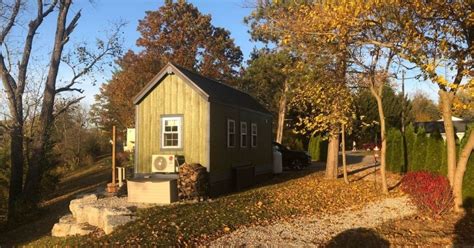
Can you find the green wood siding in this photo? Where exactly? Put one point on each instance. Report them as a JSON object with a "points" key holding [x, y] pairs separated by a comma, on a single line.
{"points": [[173, 96], [223, 158]]}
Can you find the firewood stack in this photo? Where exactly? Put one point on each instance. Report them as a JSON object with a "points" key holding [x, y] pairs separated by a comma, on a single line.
{"points": [[193, 182]]}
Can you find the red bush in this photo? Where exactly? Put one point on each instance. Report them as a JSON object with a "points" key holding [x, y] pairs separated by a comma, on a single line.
{"points": [[430, 192]]}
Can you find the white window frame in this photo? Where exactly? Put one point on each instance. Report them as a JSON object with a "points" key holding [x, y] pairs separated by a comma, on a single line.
{"points": [[179, 119], [230, 134], [253, 134], [243, 134]]}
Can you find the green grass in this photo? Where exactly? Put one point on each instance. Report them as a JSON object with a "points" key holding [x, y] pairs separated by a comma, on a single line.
{"points": [[285, 197]]}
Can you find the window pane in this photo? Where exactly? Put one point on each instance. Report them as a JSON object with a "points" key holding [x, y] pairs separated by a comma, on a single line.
{"points": [[174, 128], [231, 127], [172, 122], [167, 129]]}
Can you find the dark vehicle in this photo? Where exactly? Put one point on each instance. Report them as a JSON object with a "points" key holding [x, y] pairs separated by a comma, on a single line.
{"points": [[292, 159]]}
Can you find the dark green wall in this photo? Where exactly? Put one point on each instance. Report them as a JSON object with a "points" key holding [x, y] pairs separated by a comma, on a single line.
{"points": [[223, 158]]}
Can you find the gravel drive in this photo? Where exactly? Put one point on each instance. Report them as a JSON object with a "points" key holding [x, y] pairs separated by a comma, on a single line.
{"points": [[318, 230]]}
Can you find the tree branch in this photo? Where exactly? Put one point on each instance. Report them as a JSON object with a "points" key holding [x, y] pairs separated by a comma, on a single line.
{"points": [[70, 28], [33, 27], [67, 106], [11, 21]]}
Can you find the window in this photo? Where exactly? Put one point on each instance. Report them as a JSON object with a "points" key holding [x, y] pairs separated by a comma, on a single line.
{"points": [[243, 134], [171, 132], [253, 132], [230, 133]]}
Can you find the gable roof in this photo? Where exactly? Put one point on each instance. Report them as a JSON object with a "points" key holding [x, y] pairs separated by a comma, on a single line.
{"points": [[210, 89]]}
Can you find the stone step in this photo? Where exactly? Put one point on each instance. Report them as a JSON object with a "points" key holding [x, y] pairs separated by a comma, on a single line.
{"points": [[106, 214], [67, 226]]}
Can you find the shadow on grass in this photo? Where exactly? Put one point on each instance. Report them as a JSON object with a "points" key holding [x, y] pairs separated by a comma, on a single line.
{"points": [[315, 167], [358, 237], [464, 228]]}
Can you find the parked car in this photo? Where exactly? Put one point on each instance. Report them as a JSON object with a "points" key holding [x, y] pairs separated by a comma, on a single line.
{"points": [[292, 159], [371, 146]]}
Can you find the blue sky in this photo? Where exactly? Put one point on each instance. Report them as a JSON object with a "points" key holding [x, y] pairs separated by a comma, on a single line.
{"points": [[225, 13], [98, 15]]}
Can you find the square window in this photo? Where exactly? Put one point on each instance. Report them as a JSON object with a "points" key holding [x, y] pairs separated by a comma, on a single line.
{"points": [[171, 132]]}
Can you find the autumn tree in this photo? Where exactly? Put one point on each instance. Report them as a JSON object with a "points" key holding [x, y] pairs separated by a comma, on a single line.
{"points": [[269, 79], [325, 107], [331, 30], [114, 104], [16, 73], [288, 24], [463, 104], [176, 32], [423, 108], [435, 36]]}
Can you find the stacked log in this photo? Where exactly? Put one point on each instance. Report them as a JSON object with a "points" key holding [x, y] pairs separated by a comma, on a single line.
{"points": [[193, 182]]}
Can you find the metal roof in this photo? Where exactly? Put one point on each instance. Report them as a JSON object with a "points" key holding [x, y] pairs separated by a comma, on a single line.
{"points": [[211, 89]]}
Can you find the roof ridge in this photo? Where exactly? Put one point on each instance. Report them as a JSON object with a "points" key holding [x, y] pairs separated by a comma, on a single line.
{"points": [[211, 79]]}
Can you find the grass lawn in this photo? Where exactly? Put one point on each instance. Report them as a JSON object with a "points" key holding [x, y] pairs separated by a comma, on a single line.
{"points": [[288, 196]]}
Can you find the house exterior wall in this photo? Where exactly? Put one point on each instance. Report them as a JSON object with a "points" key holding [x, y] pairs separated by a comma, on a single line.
{"points": [[172, 96], [222, 158]]}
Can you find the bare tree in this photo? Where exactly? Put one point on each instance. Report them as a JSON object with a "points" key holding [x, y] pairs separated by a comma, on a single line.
{"points": [[81, 62]]}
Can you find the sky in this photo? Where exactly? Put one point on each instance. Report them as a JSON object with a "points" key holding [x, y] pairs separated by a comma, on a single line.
{"points": [[99, 15]]}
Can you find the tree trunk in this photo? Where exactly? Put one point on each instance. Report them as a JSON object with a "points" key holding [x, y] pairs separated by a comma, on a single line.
{"points": [[39, 156], [344, 165], [460, 170], [16, 173], [332, 157], [378, 96], [446, 103], [281, 114]]}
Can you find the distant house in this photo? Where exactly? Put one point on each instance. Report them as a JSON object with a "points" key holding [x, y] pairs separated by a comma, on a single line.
{"points": [[180, 112], [130, 140], [460, 127]]}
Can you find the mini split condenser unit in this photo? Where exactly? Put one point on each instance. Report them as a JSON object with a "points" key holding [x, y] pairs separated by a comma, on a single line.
{"points": [[165, 163]]}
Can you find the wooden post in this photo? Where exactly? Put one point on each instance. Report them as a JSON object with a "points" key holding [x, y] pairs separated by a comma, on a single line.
{"points": [[112, 187], [344, 164], [113, 155]]}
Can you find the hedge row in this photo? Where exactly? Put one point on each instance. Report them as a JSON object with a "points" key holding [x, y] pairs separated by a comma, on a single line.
{"points": [[425, 153], [318, 148]]}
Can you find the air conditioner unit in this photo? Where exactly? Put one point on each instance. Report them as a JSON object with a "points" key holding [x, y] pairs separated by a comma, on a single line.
{"points": [[163, 163]]}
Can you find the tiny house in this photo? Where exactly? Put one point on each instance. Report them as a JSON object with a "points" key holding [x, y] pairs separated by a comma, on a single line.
{"points": [[181, 114]]}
